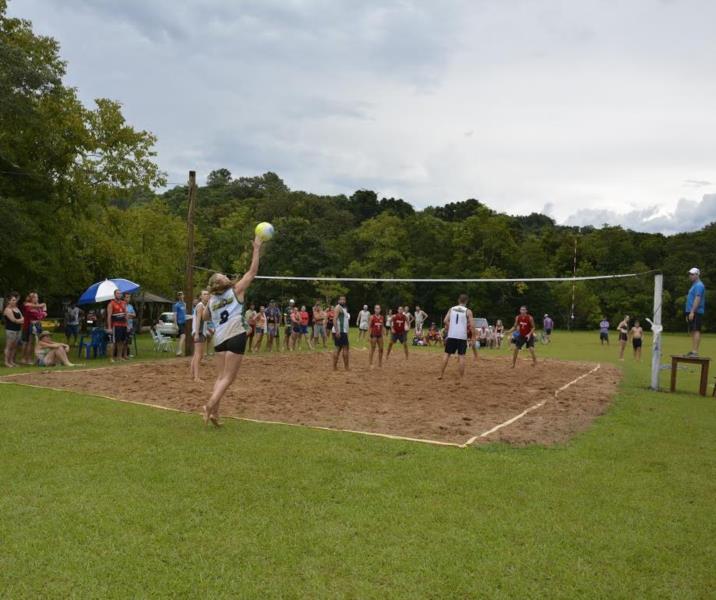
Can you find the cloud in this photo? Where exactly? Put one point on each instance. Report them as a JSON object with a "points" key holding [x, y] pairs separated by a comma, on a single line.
{"points": [[689, 215], [519, 104]]}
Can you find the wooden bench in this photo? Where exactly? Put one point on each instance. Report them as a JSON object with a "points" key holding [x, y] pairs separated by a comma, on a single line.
{"points": [[694, 360]]}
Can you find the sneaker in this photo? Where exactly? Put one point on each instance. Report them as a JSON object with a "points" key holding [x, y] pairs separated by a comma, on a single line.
{"points": [[691, 354]]}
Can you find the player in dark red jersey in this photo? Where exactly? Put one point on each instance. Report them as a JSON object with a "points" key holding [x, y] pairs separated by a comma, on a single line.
{"points": [[525, 326], [398, 332], [376, 325]]}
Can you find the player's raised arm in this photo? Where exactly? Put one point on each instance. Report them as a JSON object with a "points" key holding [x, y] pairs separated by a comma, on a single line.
{"points": [[242, 285]]}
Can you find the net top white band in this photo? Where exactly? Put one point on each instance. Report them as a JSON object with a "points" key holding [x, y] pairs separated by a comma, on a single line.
{"points": [[469, 280]]}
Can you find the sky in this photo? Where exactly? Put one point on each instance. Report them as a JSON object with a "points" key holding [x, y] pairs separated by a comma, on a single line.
{"points": [[592, 112]]}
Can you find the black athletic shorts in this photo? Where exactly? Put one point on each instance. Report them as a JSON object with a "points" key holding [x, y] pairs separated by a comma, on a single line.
{"points": [[236, 344], [603, 335], [523, 341], [399, 337], [119, 334], [623, 337], [453, 345], [695, 325], [181, 328], [340, 340], [636, 343], [548, 332]]}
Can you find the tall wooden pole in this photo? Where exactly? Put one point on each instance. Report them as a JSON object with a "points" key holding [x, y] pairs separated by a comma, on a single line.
{"points": [[189, 274]]}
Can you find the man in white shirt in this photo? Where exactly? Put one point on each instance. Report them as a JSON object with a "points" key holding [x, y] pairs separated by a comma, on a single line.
{"points": [[458, 326], [362, 322]]}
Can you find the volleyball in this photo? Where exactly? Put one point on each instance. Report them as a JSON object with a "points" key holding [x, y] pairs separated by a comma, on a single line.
{"points": [[264, 231]]}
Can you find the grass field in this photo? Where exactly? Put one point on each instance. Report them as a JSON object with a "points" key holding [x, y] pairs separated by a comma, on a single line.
{"points": [[109, 500]]}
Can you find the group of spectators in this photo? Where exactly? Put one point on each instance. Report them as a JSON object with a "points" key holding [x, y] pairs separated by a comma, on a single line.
{"points": [[27, 342]]}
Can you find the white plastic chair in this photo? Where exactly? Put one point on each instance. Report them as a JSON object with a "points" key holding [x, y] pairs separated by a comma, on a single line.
{"points": [[162, 343]]}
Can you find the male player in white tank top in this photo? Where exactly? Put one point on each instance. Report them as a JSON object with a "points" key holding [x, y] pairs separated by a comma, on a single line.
{"points": [[458, 326]]}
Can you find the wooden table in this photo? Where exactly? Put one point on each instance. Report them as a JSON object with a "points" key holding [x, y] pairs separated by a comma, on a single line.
{"points": [[694, 360]]}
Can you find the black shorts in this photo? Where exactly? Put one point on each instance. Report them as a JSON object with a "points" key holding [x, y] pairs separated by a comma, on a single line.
{"points": [[636, 343], [695, 325], [523, 341], [235, 345], [548, 331], [453, 345], [603, 335], [623, 337], [180, 328], [119, 334], [399, 337], [340, 340]]}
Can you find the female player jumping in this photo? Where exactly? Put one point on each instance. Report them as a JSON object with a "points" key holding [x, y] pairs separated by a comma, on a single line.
{"points": [[226, 308]]}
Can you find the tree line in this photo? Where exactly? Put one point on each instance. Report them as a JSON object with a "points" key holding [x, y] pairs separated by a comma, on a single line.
{"points": [[79, 203]]}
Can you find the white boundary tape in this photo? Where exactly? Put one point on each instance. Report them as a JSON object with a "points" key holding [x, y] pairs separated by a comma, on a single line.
{"points": [[474, 438]]}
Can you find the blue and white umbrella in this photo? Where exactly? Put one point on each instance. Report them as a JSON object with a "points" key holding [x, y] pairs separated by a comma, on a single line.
{"points": [[104, 290]]}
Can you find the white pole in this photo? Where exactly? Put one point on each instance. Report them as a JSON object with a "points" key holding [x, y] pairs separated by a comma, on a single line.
{"points": [[656, 329]]}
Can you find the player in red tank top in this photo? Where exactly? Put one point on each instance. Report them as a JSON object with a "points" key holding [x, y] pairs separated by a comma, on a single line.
{"points": [[375, 327], [525, 325]]}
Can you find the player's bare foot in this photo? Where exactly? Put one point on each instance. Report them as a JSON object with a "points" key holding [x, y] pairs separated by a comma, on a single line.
{"points": [[215, 420]]}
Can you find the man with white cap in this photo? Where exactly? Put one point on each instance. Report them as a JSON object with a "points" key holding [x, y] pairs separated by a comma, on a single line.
{"points": [[695, 305]]}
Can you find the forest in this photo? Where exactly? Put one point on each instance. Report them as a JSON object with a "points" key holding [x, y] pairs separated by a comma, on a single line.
{"points": [[82, 197]]}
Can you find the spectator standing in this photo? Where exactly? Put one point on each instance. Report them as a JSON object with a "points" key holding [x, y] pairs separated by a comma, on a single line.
{"points": [[198, 330], [273, 325], [319, 324], [260, 327], [604, 331], [305, 319], [547, 326], [420, 316], [362, 322], [117, 327], [695, 307], [13, 327], [636, 339], [73, 314], [288, 324], [250, 316], [623, 329], [131, 323], [33, 313], [179, 310]]}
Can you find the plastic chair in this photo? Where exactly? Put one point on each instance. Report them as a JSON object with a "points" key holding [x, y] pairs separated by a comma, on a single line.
{"points": [[97, 343], [165, 344]]}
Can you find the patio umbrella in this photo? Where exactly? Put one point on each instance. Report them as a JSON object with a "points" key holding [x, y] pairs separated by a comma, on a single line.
{"points": [[104, 290]]}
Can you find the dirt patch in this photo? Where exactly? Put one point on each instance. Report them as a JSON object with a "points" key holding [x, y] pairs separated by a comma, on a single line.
{"points": [[403, 398]]}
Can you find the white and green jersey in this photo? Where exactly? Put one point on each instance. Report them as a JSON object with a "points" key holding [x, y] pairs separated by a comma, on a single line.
{"points": [[227, 314], [342, 320]]}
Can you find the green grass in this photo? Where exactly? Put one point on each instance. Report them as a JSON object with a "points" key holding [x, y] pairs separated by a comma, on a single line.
{"points": [[108, 500]]}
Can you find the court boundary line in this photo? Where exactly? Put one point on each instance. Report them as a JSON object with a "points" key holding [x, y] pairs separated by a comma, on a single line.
{"points": [[484, 434], [247, 419]]}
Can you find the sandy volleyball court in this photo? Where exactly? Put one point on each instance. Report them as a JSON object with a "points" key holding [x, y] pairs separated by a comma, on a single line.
{"points": [[403, 398]]}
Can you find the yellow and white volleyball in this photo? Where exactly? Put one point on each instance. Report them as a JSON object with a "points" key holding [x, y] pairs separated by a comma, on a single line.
{"points": [[264, 231]]}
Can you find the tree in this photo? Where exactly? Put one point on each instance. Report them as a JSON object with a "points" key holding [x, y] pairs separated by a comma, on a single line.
{"points": [[219, 177]]}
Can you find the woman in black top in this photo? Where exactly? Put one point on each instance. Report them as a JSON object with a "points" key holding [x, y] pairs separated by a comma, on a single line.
{"points": [[13, 326]]}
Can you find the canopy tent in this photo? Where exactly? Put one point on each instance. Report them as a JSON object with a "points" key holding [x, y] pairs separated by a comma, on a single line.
{"points": [[154, 303]]}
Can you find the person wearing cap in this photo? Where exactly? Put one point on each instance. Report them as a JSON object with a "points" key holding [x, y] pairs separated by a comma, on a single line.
{"points": [[49, 353], [695, 306], [547, 326]]}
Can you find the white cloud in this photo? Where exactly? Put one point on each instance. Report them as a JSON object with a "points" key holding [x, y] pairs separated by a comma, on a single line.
{"points": [[579, 106], [689, 215]]}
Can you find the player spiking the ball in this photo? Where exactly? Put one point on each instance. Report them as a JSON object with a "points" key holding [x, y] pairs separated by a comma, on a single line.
{"points": [[525, 326], [458, 329], [226, 311]]}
